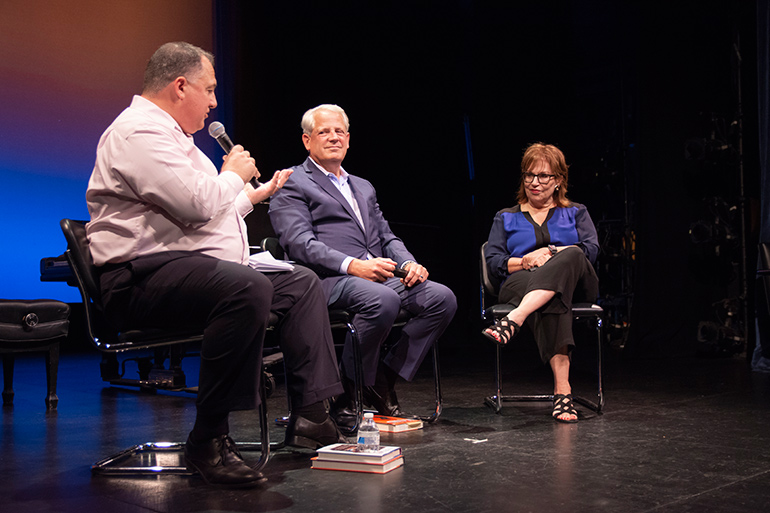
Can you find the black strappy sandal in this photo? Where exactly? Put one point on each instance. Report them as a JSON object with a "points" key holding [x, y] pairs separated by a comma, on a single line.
{"points": [[563, 404], [503, 330]]}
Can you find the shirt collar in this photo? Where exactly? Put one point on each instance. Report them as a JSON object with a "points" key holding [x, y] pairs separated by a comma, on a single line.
{"points": [[343, 174], [161, 116]]}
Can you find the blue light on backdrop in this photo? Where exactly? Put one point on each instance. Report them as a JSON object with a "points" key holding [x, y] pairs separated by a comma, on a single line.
{"points": [[68, 69], [33, 205]]}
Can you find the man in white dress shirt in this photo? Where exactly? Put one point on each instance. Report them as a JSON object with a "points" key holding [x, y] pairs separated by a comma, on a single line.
{"points": [[168, 237]]}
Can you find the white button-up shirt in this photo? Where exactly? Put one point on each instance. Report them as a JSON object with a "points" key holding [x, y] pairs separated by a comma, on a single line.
{"points": [[153, 190]]}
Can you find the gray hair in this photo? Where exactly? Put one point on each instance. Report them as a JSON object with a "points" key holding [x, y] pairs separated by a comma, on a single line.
{"points": [[172, 60], [308, 119]]}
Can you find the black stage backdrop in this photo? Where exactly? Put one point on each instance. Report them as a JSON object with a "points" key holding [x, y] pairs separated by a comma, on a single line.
{"points": [[443, 97], [763, 102]]}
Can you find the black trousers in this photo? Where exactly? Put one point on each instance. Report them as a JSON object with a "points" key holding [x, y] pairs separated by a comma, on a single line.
{"points": [[572, 277], [231, 303]]}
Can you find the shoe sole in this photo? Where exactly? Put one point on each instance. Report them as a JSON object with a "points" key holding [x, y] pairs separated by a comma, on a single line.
{"points": [[302, 441], [246, 484], [494, 340]]}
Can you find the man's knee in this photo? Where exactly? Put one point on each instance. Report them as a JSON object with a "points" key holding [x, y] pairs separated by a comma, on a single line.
{"points": [[382, 303], [373, 303], [442, 298], [306, 278], [246, 288]]}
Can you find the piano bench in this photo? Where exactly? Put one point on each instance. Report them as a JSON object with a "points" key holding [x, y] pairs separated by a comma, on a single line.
{"points": [[32, 326]]}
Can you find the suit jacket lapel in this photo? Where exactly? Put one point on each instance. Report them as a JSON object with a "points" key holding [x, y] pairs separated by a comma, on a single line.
{"points": [[360, 199], [323, 181], [363, 206]]}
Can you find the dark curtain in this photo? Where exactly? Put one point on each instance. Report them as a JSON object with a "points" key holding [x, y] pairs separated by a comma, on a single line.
{"points": [[761, 360], [763, 100]]}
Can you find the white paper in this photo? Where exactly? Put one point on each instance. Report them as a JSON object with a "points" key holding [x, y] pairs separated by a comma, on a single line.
{"points": [[265, 263]]}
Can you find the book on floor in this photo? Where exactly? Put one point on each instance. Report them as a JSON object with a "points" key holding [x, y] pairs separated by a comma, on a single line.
{"points": [[396, 424], [357, 466], [351, 453]]}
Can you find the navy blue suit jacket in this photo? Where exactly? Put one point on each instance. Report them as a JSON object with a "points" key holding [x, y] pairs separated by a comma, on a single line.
{"points": [[318, 228]]}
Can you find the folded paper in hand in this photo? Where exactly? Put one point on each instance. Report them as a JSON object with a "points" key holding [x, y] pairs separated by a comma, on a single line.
{"points": [[264, 262]]}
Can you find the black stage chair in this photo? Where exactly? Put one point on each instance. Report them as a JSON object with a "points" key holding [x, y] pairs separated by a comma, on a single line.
{"points": [[491, 310], [342, 319], [109, 341]]}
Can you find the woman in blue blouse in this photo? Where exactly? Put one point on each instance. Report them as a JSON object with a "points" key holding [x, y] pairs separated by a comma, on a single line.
{"points": [[542, 251]]}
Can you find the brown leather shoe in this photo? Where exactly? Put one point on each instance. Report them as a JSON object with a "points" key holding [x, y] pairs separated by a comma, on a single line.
{"points": [[220, 464]]}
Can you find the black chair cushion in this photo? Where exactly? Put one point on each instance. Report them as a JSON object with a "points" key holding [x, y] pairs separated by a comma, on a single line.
{"points": [[578, 310], [33, 320]]}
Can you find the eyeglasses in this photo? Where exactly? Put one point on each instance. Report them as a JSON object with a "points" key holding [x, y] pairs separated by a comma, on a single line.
{"points": [[542, 178]]}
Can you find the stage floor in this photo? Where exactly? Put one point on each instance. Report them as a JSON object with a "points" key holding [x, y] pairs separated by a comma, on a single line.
{"points": [[677, 435]]}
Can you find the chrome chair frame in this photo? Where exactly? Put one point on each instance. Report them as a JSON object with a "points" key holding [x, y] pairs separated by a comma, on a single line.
{"points": [[106, 340], [491, 311], [343, 319]]}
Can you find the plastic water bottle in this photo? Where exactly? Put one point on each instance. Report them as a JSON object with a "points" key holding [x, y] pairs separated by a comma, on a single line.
{"points": [[368, 434]]}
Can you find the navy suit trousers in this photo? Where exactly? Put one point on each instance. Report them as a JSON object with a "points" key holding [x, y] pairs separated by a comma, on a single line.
{"points": [[376, 305]]}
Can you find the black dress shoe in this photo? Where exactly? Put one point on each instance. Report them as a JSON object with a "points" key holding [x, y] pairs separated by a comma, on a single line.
{"points": [[302, 432], [385, 402], [219, 463], [344, 416], [343, 407]]}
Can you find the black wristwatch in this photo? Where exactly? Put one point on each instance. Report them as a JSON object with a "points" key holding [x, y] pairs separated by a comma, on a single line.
{"points": [[552, 249]]}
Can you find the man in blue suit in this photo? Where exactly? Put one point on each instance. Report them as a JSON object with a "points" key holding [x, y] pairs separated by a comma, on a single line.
{"points": [[330, 221]]}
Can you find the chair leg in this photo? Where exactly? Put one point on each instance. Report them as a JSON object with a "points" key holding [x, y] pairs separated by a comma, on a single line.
{"points": [[600, 341], [8, 361], [264, 431], [109, 367], [433, 417], [152, 454], [358, 378], [52, 371], [599, 404], [284, 421], [495, 402], [359, 381]]}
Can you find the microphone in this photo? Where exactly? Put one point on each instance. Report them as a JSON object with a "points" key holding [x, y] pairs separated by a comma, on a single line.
{"points": [[217, 131]]}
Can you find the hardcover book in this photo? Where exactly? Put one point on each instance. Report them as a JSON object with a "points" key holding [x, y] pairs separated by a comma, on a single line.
{"points": [[350, 466], [351, 453], [396, 424]]}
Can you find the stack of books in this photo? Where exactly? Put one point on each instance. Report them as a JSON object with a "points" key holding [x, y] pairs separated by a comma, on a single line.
{"points": [[348, 457], [396, 424]]}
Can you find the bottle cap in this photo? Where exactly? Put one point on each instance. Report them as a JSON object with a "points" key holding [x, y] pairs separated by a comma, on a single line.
{"points": [[369, 415]]}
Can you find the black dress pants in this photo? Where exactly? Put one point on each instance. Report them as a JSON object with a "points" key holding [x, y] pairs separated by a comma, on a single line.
{"points": [[572, 277], [231, 303]]}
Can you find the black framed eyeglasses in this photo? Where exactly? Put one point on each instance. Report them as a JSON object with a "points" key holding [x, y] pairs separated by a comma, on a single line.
{"points": [[542, 178]]}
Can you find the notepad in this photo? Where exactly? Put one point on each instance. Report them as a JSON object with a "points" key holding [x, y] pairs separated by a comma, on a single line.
{"points": [[265, 262]]}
